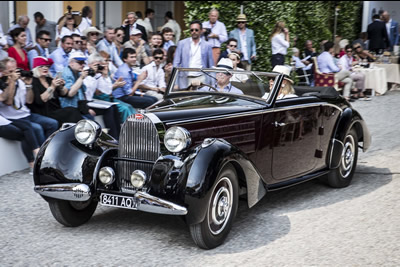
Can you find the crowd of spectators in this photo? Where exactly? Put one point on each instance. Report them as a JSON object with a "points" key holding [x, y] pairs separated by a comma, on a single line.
{"points": [[55, 77]]}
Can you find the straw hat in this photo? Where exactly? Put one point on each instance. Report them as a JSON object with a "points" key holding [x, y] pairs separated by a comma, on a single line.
{"points": [[92, 29], [241, 17]]}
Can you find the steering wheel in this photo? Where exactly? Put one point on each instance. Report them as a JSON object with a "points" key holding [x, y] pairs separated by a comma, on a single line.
{"points": [[212, 87]]}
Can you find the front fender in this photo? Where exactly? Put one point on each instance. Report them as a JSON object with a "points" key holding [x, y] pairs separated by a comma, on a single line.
{"points": [[62, 160]]}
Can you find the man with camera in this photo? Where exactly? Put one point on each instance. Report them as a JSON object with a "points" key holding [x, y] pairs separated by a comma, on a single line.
{"points": [[73, 76], [215, 33], [96, 84], [19, 94]]}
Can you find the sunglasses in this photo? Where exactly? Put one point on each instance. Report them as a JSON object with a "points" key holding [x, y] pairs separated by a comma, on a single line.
{"points": [[357, 47], [45, 39], [232, 45], [44, 66], [80, 62], [94, 33], [119, 35], [241, 22], [160, 58], [78, 42], [194, 30]]}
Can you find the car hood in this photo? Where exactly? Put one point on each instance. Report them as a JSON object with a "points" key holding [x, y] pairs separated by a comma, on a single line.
{"points": [[202, 106]]}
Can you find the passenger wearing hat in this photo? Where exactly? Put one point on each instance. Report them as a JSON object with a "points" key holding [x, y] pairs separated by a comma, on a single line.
{"points": [[246, 41], [60, 55], [73, 76], [223, 83], [136, 42], [286, 90], [47, 91]]}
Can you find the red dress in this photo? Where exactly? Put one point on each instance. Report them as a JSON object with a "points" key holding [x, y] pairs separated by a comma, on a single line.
{"points": [[23, 64]]}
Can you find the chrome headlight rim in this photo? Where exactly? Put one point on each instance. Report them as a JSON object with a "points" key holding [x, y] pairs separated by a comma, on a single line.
{"points": [[183, 142], [110, 172], [94, 131], [138, 179]]}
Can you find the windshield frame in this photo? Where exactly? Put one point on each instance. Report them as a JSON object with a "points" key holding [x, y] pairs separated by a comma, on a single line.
{"points": [[175, 73]]}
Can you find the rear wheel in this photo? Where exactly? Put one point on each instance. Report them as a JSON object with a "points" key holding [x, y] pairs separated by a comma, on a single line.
{"points": [[342, 176], [72, 213], [222, 208]]}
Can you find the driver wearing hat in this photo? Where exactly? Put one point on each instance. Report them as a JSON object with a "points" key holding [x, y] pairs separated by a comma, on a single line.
{"points": [[223, 77]]}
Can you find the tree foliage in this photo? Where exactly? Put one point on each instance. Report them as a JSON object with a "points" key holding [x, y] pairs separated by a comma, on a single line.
{"points": [[306, 20]]}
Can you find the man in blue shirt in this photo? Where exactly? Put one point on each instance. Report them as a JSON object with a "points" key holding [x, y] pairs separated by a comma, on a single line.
{"points": [[107, 44], [129, 93], [326, 64], [41, 48], [60, 55]]}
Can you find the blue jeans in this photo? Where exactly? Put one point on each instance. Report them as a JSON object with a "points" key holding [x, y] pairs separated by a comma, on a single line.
{"points": [[43, 126]]}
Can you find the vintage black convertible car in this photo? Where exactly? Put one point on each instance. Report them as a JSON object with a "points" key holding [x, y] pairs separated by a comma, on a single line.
{"points": [[196, 151]]}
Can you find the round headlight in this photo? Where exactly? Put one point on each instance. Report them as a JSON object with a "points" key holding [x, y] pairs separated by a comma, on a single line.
{"points": [[86, 131], [177, 139], [106, 175], [138, 178]]}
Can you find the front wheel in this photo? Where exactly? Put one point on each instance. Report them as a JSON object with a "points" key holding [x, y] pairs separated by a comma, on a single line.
{"points": [[222, 208], [72, 213], [342, 176]]}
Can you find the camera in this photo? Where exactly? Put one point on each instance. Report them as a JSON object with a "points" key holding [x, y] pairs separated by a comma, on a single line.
{"points": [[25, 73], [3, 82], [91, 72], [100, 67], [206, 33]]}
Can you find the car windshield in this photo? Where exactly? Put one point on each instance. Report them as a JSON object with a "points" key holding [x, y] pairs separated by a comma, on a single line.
{"points": [[248, 83]]}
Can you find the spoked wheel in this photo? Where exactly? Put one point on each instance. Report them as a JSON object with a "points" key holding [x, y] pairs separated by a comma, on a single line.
{"points": [[342, 176], [222, 208], [72, 213]]}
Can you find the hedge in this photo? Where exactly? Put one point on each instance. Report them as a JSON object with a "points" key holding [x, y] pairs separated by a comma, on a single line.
{"points": [[306, 20]]}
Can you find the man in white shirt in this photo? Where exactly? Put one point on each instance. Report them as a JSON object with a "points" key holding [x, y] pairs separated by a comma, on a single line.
{"points": [[87, 14], [171, 23], [154, 84], [217, 34]]}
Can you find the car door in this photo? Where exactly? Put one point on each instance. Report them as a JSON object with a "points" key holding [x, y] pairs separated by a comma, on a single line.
{"points": [[296, 139]]}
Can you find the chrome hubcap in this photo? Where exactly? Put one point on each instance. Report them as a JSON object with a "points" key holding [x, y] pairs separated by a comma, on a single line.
{"points": [[220, 206], [348, 153]]}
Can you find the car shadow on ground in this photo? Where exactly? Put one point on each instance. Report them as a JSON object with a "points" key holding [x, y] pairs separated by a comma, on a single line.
{"points": [[264, 223]]}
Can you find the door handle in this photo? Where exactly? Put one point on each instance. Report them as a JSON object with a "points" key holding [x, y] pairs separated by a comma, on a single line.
{"points": [[279, 124]]}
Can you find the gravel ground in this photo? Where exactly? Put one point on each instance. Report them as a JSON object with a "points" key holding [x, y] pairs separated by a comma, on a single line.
{"points": [[307, 225]]}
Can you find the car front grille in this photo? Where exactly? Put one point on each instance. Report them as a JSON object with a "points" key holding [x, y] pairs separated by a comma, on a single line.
{"points": [[138, 141]]}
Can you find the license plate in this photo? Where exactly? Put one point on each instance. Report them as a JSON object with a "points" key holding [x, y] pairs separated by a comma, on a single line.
{"points": [[119, 201]]}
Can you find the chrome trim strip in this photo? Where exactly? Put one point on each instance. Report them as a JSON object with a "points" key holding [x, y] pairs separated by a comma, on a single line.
{"points": [[218, 117], [71, 192], [149, 203]]}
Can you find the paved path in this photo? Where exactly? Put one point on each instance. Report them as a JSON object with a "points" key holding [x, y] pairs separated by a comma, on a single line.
{"points": [[306, 225]]}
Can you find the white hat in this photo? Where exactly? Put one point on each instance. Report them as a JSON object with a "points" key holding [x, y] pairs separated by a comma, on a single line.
{"points": [[284, 70], [91, 29], [77, 56], [135, 32], [225, 63]]}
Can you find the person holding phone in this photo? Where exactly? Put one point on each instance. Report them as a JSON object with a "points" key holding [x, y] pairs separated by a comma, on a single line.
{"points": [[280, 42]]}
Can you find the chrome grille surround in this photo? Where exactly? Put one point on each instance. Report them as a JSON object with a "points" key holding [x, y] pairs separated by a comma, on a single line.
{"points": [[138, 141]]}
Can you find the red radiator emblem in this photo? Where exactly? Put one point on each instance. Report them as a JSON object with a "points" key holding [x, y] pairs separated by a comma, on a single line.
{"points": [[139, 116]]}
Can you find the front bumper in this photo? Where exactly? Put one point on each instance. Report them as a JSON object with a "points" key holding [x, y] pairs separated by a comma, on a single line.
{"points": [[81, 192]]}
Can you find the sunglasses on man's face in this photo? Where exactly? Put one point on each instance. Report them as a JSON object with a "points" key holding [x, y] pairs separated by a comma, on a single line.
{"points": [[233, 45], [357, 47], [194, 30], [45, 39], [349, 51], [241, 22], [78, 42], [159, 58]]}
